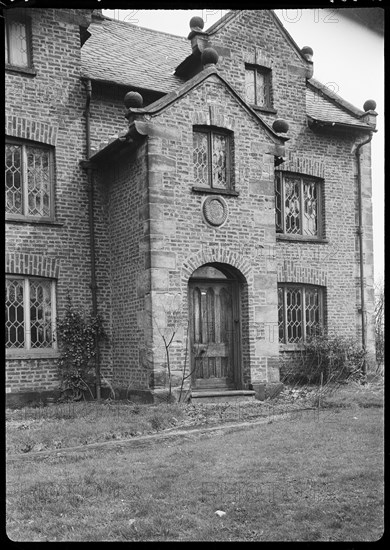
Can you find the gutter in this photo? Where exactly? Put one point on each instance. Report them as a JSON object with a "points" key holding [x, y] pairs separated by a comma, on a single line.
{"points": [[93, 286], [360, 233], [316, 123]]}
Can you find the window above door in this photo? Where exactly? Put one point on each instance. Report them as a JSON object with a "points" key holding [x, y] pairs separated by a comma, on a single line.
{"points": [[213, 160]]}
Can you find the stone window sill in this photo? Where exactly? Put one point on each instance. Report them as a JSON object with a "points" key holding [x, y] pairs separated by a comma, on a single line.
{"points": [[269, 110], [291, 347], [32, 354], [212, 191], [22, 70], [33, 221], [301, 239]]}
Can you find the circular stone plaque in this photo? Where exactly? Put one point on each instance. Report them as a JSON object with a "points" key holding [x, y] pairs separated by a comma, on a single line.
{"points": [[215, 211]]}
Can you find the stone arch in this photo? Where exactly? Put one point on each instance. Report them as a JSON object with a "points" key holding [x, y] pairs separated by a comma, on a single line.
{"points": [[215, 255]]}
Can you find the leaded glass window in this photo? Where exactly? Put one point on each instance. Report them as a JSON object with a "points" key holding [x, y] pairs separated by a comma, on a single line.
{"points": [[297, 204], [29, 313], [28, 180], [258, 86], [17, 39], [300, 310], [212, 158]]}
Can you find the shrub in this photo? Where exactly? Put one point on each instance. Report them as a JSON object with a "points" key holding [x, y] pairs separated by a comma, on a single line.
{"points": [[326, 358], [77, 336], [379, 324]]}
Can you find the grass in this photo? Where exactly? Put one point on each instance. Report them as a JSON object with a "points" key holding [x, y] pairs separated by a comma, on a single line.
{"points": [[310, 478], [73, 424]]}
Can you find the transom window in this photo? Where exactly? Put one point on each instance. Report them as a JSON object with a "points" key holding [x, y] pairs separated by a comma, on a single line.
{"points": [[29, 313], [28, 180], [17, 39], [212, 158], [301, 312], [297, 204], [258, 86]]}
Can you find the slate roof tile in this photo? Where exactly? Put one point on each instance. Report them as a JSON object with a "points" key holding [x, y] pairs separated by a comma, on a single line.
{"points": [[126, 54], [321, 108]]}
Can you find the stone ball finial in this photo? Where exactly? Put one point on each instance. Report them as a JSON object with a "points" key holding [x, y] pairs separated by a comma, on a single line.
{"points": [[209, 57], [307, 51], [280, 126], [133, 100], [369, 105], [196, 22]]}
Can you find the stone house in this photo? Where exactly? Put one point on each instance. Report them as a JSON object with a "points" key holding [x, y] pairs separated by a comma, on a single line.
{"points": [[207, 193]]}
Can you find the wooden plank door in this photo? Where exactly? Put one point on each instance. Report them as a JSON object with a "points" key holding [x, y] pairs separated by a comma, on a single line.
{"points": [[212, 334]]}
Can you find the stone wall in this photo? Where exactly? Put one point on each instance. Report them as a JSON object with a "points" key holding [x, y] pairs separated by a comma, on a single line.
{"points": [[183, 241]]}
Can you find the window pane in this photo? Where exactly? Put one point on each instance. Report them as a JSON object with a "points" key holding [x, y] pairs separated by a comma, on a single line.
{"points": [[38, 173], [17, 43], [200, 158], [278, 202], [13, 179], [210, 309], [281, 315], [250, 85], [310, 202], [260, 89], [219, 168], [294, 314], [292, 204], [14, 314], [40, 314], [312, 304]]}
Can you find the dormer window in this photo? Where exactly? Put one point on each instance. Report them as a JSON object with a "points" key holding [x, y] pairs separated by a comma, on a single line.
{"points": [[258, 91]]}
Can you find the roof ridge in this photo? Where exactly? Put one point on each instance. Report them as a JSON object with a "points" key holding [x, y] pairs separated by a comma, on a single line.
{"points": [[336, 98], [143, 28]]}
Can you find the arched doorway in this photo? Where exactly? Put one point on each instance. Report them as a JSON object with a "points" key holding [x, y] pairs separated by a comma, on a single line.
{"points": [[215, 328]]}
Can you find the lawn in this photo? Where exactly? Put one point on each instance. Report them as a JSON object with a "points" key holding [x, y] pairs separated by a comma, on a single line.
{"points": [[310, 477]]}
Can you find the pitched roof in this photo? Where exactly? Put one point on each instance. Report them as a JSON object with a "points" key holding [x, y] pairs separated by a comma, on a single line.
{"points": [[129, 55], [163, 102], [323, 90], [328, 107], [126, 54]]}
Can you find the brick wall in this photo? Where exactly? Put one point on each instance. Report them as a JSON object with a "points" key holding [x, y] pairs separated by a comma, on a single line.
{"points": [[254, 37], [122, 244], [48, 108], [150, 234]]}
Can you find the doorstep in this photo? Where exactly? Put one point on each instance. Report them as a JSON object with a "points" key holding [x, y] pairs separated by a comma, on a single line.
{"points": [[220, 396]]}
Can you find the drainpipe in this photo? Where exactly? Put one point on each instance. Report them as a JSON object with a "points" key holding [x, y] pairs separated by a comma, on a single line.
{"points": [[360, 233], [93, 286]]}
